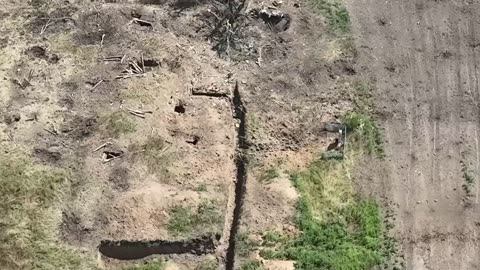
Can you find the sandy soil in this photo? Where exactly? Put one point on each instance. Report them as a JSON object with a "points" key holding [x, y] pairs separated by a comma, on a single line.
{"points": [[425, 58]]}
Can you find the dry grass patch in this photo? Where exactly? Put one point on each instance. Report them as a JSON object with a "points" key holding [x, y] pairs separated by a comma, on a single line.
{"points": [[30, 216]]}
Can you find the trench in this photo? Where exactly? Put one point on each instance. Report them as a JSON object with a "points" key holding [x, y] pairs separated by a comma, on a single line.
{"points": [[241, 176], [209, 94], [132, 250]]}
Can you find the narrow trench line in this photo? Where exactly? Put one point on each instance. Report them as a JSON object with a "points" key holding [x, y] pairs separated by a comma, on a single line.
{"points": [[133, 250], [241, 176]]}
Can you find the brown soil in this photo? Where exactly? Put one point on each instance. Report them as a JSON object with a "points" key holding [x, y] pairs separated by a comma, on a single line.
{"points": [[425, 55], [60, 97]]}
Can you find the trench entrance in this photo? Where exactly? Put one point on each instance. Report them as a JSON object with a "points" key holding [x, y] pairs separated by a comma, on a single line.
{"points": [[241, 176], [132, 250]]}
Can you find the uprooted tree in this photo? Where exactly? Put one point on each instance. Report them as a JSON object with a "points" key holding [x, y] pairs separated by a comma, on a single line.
{"points": [[228, 19]]}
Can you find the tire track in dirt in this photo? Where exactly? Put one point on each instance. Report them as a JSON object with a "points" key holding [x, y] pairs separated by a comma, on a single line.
{"points": [[432, 120]]}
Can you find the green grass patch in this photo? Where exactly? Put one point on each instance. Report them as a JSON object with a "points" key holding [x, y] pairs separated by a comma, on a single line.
{"points": [[201, 188], [209, 263], [244, 245], [184, 220], [336, 14], [154, 264], [119, 123], [469, 178], [364, 133], [251, 265], [155, 155], [30, 215], [268, 175], [339, 230]]}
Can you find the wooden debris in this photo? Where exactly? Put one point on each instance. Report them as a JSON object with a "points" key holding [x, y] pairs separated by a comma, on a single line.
{"points": [[101, 42], [137, 114], [114, 58], [128, 75], [123, 58], [111, 155], [44, 28], [53, 132], [97, 84], [110, 159], [102, 146], [142, 22], [139, 111], [136, 67]]}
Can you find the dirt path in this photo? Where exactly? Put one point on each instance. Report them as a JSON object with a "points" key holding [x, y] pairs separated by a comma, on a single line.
{"points": [[425, 58]]}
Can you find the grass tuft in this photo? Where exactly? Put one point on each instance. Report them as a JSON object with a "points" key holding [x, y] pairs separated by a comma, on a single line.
{"points": [[364, 132], [155, 155], [269, 175], [154, 264], [243, 244], [119, 123], [209, 263], [251, 265], [29, 218], [183, 220], [335, 13], [469, 178]]}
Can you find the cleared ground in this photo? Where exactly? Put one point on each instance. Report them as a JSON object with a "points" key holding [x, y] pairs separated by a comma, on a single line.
{"points": [[424, 55]]}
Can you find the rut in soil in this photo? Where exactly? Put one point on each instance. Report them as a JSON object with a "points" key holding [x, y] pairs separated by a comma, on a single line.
{"points": [[241, 176]]}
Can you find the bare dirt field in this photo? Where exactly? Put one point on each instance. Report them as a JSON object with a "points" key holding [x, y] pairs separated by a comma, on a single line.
{"points": [[424, 55]]}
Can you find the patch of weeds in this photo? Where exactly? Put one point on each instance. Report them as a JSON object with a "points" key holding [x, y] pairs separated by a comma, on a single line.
{"points": [[210, 263], [364, 132], [119, 123], [335, 13], [63, 43], [272, 243], [339, 230], [251, 265], [332, 155], [363, 96], [154, 264], [183, 220], [269, 175], [29, 218], [155, 155], [469, 178], [271, 238], [254, 127], [139, 91], [244, 245], [201, 188]]}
